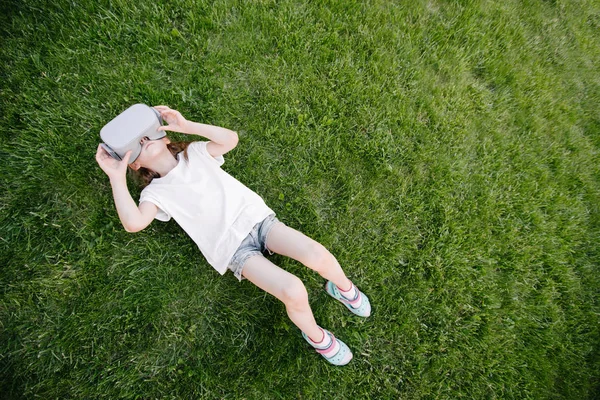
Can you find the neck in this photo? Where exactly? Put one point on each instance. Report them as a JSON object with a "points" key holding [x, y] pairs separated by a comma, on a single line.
{"points": [[164, 164]]}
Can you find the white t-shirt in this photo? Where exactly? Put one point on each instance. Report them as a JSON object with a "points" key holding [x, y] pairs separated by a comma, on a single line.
{"points": [[216, 210]]}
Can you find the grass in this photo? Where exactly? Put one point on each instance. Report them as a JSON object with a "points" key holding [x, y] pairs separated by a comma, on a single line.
{"points": [[445, 152]]}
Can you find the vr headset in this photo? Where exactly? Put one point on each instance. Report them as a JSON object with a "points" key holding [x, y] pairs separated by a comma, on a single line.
{"points": [[126, 130]]}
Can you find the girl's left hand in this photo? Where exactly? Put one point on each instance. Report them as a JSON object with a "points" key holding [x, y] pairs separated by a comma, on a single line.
{"points": [[176, 122]]}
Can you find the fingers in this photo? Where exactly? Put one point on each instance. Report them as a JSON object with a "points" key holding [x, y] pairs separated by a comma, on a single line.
{"points": [[173, 118], [100, 153], [162, 109], [169, 113], [166, 111]]}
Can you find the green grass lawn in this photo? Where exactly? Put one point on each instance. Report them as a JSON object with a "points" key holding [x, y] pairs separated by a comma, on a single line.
{"points": [[447, 153]]}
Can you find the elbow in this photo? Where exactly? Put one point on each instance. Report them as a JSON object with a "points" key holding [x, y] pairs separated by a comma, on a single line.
{"points": [[234, 138], [132, 228]]}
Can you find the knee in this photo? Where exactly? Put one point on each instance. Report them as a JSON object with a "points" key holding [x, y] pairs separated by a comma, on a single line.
{"points": [[294, 293], [320, 258]]}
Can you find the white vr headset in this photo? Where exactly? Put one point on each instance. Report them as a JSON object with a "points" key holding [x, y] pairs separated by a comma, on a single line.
{"points": [[126, 130]]}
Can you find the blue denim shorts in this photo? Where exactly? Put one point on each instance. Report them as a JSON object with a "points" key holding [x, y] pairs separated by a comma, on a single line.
{"points": [[254, 244]]}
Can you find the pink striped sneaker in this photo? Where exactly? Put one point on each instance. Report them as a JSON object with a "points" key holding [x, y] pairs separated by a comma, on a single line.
{"points": [[337, 352], [359, 305]]}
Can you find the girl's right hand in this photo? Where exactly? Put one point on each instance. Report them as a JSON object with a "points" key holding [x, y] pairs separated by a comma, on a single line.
{"points": [[113, 168]]}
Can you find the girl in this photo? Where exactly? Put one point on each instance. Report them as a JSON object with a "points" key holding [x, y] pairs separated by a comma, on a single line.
{"points": [[230, 223]]}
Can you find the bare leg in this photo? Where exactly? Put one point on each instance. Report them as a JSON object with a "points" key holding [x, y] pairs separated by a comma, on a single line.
{"points": [[292, 243], [286, 287]]}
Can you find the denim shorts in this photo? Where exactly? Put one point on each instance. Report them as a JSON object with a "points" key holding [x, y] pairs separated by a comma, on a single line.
{"points": [[254, 244]]}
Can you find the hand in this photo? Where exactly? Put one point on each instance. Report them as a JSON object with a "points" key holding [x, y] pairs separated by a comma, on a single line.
{"points": [[113, 168], [176, 122]]}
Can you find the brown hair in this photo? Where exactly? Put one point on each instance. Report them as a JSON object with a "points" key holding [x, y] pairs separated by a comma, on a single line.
{"points": [[145, 175]]}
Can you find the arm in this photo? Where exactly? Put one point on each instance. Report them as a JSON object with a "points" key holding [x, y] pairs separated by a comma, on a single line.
{"points": [[222, 140], [133, 218]]}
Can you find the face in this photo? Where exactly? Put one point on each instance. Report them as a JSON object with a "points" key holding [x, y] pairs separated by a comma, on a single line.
{"points": [[151, 150]]}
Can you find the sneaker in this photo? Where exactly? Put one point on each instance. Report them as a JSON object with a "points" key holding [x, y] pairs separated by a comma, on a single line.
{"points": [[359, 305], [336, 352]]}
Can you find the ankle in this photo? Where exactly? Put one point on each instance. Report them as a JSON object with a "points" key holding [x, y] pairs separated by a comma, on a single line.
{"points": [[349, 293], [346, 287], [321, 335], [324, 338]]}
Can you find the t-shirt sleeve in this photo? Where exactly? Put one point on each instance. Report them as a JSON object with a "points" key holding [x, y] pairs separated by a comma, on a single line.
{"points": [[199, 148], [161, 215]]}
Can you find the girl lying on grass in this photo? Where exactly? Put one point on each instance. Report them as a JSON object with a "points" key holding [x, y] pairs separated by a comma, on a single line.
{"points": [[232, 225]]}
